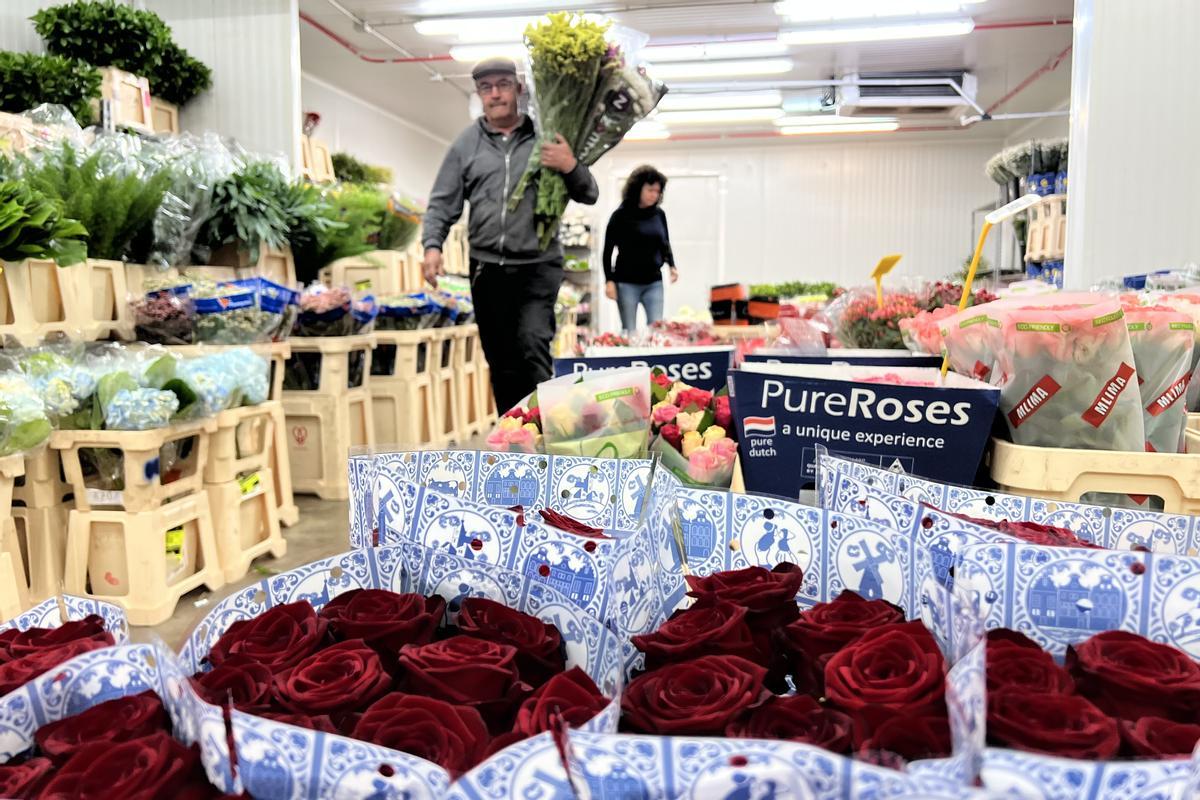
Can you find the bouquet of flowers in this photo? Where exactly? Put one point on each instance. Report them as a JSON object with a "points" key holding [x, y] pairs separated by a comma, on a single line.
{"points": [[519, 430], [923, 333], [406, 312], [325, 311], [1162, 343], [584, 90], [694, 429], [860, 321], [599, 415], [23, 421]]}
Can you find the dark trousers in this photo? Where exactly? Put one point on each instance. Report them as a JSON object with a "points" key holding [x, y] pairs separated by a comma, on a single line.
{"points": [[514, 307]]}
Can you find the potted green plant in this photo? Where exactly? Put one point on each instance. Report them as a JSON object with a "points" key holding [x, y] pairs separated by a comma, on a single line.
{"points": [[28, 80]]}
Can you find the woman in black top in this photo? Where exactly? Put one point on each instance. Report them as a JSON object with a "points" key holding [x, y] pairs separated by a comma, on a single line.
{"points": [[637, 230]]}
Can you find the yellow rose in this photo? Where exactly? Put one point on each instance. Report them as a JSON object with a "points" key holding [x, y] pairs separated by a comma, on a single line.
{"points": [[712, 433], [689, 420], [529, 426], [509, 423], [692, 442]]}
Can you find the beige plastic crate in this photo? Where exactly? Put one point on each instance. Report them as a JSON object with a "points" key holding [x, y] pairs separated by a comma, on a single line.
{"points": [[121, 557], [468, 351], [274, 265], [403, 408], [14, 580], [164, 116], [39, 299], [42, 534], [447, 386], [42, 485], [140, 452], [1067, 475], [380, 271], [245, 517], [11, 602], [280, 464], [241, 443]]}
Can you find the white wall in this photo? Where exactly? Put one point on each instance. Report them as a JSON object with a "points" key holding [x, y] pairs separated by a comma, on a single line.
{"points": [[16, 31], [371, 134]]}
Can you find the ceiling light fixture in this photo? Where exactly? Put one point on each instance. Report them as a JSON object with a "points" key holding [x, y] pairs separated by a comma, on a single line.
{"points": [[826, 11], [470, 53], [647, 131], [662, 53], [715, 115], [794, 121], [490, 6], [878, 32], [685, 70], [490, 29], [860, 127], [698, 102]]}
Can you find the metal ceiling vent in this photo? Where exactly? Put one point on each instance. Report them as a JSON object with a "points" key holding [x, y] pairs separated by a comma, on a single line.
{"points": [[920, 93]]}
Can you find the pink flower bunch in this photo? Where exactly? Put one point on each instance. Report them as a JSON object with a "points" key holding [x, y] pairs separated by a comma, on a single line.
{"points": [[923, 333], [518, 431], [698, 425]]}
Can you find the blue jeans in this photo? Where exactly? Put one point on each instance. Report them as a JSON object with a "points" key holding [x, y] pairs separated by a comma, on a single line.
{"points": [[630, 295]]}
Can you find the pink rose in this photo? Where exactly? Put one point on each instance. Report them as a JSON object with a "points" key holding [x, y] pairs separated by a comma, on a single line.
{"points": [[725, 450], [534, 416], [664, 414], [703, 465]]}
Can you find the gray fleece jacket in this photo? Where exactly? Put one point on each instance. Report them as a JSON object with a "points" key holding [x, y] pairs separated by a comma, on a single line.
{"points": [[483, 168]]}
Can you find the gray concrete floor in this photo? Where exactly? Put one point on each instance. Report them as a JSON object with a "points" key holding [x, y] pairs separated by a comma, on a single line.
{"points": [[323, 530]]}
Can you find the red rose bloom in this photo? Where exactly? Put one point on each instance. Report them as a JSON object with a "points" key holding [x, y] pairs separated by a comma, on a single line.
{"points": [[756, 589], [453, 737], [826, 628], [15, 644], [1031, 669], [385, 620], [154, 766], [467, 671], [116, 720], [1057, 724], [1131, 677], [697, 397], [570, 524], [672, 435], [699, 697], [896, 668], [345, 677], [278, 638], [1155, 738], [314, 722], [15, 674], [661, 379], [572, 694], [797, 718], [910, 738], [24, 780], [539, 644], [709, 627], [245, 683]]}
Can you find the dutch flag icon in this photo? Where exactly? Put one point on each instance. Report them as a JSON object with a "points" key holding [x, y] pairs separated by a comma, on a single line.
{"points": [[759, 426]]}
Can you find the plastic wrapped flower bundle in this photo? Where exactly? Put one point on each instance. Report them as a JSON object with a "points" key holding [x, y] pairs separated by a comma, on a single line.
{"points": [[364, 310], [406, 312], [923, 333], [215, 387], [140, 409], [230, 313], [325, 311], [455, 309], [164, 316], [252, 373], [861, 321], [694, 430], [23, 421], [60, 380], [599, 415]]}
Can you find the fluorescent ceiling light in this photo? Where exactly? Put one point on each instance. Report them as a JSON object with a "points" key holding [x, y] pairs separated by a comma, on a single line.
{"points": [[830, 10], [698, 102], [647, 131], [710, 69], [828, 119], [490, 6], [490, 29], [470, 53], [662, 53], [718, 115], [861, 127], [878, 32]]}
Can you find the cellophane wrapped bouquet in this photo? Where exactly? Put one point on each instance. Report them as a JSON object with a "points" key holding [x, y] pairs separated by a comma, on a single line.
{"points": [[586, 87], [860, 321], [1162, 342], [694, 431]]}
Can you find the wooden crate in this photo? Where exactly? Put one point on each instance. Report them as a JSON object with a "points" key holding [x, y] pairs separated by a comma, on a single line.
{"points": [[402, 402], [121, 556], [245, 517], [380, 271], [140, 454], [129, 99], [164, 116], [325, 422]]}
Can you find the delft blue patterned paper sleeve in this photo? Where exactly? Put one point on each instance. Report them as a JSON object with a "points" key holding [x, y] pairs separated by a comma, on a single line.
{"points": [[281, 761], [46, 614]]}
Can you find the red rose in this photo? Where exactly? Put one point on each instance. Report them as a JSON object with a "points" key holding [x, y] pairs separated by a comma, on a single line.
{"points": [[534, 415], [17, 673], [698, 697], [113, 721], [16, 644], [723, 415], [383, 619], [672, 434], [24, 780], [895, 668], [1058, 724], [570, 525], [151, 767], [467, 671], [1013, 637], [539, 644], [661, 379], [1155, 737], [315, 722], [345, 677], [515, 413], [797, 718], [697, 397], [910, 738], [453, 737], [572, 694], [1032, 669], [709, 627], [245, 683], [826, 628], [279, 638], [758, 590], [1131, 677]]}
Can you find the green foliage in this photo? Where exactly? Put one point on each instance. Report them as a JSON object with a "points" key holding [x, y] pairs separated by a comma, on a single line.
{"points": [[27, 80], [111, 34], [358, 211], [33, 226], [792, 289], [349, 169], [117, 210], [248, 210]]}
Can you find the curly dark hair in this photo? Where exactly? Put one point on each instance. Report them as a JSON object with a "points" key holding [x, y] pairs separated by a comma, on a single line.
{"points": [[642, 176]]}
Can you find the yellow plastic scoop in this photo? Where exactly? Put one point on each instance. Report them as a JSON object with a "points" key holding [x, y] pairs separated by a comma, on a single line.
{"points": [[883, 268]]}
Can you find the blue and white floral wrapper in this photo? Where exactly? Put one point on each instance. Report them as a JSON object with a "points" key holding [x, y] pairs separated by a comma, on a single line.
{"points": [[48, 614], [282, 761], [140, 410]]}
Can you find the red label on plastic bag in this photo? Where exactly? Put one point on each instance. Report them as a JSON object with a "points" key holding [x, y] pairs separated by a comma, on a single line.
{"points": [[1042, 391], [1169, 397], [1098, 410], [981, 371]]}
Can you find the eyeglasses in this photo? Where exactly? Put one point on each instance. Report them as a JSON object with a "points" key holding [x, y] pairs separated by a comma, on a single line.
{"points": [[504, 85]]}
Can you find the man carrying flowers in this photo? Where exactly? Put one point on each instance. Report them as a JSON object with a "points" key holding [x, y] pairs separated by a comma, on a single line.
{"points": [[514, 279]]}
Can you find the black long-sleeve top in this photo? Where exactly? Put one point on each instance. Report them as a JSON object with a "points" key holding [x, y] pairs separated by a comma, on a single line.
{"points": [[643, 245]]}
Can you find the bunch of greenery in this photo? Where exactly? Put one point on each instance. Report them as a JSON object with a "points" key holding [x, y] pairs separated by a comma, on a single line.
{"points": [[117, 209], [401, 222], [247, 210], [27, 80], [107, 33], [348, 169], [359, 212], [792, 289], [33, 226]]}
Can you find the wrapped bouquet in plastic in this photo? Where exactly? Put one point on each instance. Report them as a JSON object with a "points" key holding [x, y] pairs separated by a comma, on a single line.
{"points": [[599, 414], [1162, 343], [694, 430], [405, 312], [325, 311], [23, 421]]}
